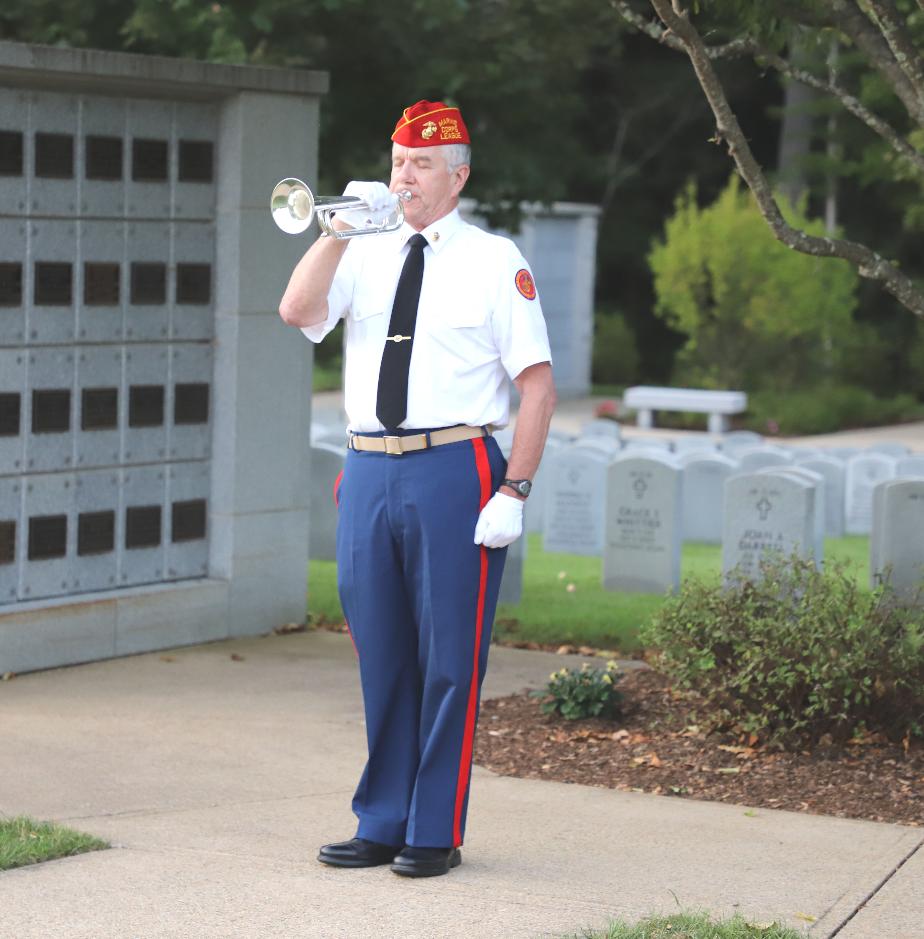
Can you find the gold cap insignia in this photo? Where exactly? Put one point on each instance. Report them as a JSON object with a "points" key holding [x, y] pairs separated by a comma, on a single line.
{"points": [[429, 129]]}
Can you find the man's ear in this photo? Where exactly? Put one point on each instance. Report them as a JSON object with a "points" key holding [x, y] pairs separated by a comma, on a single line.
{"points": [[461, 177]]}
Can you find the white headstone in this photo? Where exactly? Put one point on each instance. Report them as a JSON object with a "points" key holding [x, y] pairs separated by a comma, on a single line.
{"points": [[608, 446], [534, 513], [818, 481], [647, 443], [319, 431], [601, 427], [575, 494], [694, 443], [326, 462], [897, 543], [704, 478], [766, 513], [889, 448], [863, 472], [504, 438], [842, 453], [755, 458], [642, 550], [834, 473], [912, 465], [333, 438], [511, 588], [801, 454], [739, 440]]}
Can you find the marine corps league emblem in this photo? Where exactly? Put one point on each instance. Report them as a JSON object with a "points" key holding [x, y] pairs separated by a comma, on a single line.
{"points": [[449, 129], [525, 284], [429, 129]]}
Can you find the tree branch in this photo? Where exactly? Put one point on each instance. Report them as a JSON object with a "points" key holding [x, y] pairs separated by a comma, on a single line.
{"points": [[851, 103], [617, 175], [653, 29], [868, 263], [869, 40], [747, 46], [908, 57]]}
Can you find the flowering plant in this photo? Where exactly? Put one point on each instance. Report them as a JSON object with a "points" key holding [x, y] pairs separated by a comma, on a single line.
{"points": [[583, 692]]}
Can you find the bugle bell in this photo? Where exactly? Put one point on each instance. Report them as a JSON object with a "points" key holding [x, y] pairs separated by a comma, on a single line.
{"points": [[294, 207]]}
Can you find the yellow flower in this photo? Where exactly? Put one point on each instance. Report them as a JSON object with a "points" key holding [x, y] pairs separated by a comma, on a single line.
{"points": [[608, 679]]}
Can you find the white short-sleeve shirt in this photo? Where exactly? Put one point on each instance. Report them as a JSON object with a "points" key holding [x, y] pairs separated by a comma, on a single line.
{"points": [[479, 321]]}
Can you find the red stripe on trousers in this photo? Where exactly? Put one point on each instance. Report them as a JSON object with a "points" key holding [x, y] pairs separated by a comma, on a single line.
{"points": [[337, 486], [465, 761], [350, 634]]}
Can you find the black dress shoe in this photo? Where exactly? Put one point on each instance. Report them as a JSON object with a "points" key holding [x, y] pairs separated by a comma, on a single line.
{"points": [[358, 852], [426, 862]]}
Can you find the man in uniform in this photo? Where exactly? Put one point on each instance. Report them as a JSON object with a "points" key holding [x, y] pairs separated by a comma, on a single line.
{"points": [[437, 315]]}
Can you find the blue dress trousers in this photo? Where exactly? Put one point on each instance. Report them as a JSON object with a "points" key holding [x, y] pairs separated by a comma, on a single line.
{"points": [[419, 599]]}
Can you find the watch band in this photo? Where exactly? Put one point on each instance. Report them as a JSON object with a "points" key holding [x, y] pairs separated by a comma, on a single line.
{"points": [[521, 487]]}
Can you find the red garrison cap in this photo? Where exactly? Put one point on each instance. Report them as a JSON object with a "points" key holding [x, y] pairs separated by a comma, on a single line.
{"points": [[430, 124]]}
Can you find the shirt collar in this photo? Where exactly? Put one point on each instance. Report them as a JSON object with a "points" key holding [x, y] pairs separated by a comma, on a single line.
{"points": [[437, 233]]}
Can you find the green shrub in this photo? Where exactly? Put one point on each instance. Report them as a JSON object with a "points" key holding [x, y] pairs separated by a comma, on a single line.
{"points": [[615, 351], [756, 314], [582, 692], [796, 655], [825, 409]]}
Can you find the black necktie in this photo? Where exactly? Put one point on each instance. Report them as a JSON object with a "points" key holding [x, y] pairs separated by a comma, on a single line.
{"points": [[391, 401]]}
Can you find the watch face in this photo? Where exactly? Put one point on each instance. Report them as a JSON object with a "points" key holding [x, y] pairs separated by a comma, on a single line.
{"points": [[522, 486]]}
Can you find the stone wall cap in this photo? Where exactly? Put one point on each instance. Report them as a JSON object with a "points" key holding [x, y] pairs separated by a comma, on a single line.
{"points": [[101, 71], [542, 209]]}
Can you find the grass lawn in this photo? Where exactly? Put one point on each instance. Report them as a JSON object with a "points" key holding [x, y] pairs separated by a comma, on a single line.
{"points": [[26, 841], [326, 377], [691, 926], [564, 602]]}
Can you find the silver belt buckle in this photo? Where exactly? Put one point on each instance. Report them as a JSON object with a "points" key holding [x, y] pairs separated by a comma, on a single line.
{"points": [[393, 445]]}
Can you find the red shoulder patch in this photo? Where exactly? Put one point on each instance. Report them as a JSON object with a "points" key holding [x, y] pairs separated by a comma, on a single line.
{"points": [[525, 284]]}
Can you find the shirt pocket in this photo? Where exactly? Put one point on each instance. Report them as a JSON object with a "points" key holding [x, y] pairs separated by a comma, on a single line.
{"points": [[464, 310], [373, 291], [460, 326], [367, 303]]}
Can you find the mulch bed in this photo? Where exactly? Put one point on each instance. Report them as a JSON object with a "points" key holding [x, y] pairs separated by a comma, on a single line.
{"points": [[654, 748]]}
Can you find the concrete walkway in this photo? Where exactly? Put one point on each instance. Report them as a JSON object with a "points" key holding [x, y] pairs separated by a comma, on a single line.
{"points": [[217, 770], [572, 413]]}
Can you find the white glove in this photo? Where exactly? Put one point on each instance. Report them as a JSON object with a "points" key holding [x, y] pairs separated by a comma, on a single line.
{"points": [[381, 203], [500, 522]]}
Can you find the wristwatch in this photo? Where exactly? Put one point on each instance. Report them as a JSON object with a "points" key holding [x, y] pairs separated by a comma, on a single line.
{"points": [[522, 487]]}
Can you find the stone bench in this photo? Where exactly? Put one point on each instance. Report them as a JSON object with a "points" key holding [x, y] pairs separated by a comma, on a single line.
{"points": [[717, 404]]}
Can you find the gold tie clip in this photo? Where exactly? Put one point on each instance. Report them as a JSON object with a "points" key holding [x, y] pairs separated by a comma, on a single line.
{"points": [[396, 338]]}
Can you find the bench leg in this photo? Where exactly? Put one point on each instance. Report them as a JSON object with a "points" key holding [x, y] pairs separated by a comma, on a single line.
{"points": [[644, 419], [718, 423]]}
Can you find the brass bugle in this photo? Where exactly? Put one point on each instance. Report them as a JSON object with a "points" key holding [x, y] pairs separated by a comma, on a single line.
{"points": [[294, 207]]}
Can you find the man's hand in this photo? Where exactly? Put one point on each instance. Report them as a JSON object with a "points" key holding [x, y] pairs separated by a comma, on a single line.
{"points": [[380, 202], [500, 522]]}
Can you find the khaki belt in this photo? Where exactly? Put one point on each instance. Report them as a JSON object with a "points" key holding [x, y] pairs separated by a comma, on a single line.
{"points": [[398, 445]]}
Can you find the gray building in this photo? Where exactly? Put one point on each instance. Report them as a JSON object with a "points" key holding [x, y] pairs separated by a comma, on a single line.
{"points": [[559, 242], [153, 407]]}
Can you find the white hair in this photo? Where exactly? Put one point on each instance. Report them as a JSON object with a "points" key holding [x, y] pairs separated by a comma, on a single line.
{"points": [[456, 155]]}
